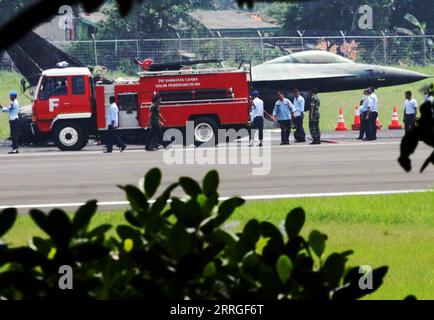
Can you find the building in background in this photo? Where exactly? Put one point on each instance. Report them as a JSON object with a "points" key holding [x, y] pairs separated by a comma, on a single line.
{"points": [[236, 22], [71, 27], [87, 24]]}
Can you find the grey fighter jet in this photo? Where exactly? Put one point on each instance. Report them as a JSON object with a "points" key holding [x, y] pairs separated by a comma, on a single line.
{"points": [[326, 71]]}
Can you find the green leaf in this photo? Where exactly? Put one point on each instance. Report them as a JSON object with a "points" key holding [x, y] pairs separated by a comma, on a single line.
{"points": [[252, 231], [284, 268], [89, 252], [7, 220], [179, 242], [99, 231], [224, 212], [136, 198], [201, 199], [212, 200], [211, 182], [152, 182], [41, 220], [60, 227], [317, 242], [42, 245], [413, 20], [273, 249], [269, 230], [126, 232], [56, 224], [209, 270], [179, 208], [190, 187], [161, 201], [227, 208], [333, 269], [84, 215], [294, 222], [223, 236]]}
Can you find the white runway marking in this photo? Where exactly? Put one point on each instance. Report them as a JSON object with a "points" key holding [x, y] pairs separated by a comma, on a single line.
{"points": [[257, 197], [99, 152]]}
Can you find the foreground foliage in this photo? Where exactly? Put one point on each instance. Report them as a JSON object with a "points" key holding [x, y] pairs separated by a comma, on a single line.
{"points": [[176, 249]]}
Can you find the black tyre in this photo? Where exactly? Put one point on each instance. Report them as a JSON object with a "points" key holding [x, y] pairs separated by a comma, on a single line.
{"points": [[205, 132], [70, 136]]}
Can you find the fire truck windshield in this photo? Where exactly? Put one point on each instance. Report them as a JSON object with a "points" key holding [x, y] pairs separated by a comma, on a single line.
{"points": [[57, 86]]}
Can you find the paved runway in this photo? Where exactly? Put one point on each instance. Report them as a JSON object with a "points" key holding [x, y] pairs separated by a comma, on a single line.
{"points": [[49, 177]]}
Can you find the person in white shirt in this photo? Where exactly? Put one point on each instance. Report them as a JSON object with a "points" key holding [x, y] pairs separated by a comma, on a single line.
{"points": [[363, 110], [410, 111], [299, 105], [257, 118], [14, 120], [372, 115], [112, 125]]}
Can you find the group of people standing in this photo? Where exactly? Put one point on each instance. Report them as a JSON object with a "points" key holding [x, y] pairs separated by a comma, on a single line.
{"points": [[410, 108], [368, 115], [154, 137], [287, 113]]}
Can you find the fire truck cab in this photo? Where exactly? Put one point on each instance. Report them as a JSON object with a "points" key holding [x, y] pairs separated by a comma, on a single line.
{"points": [[71, 106]]}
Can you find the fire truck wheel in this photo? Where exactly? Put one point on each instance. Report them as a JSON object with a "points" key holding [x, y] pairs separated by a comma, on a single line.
{"points": [[205, 131], [69, 136]]}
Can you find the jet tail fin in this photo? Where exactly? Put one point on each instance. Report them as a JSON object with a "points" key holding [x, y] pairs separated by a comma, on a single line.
{"points": [[32, 54]]}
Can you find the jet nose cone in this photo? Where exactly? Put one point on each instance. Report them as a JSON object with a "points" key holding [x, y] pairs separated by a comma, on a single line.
{"points": [[396, 76]]}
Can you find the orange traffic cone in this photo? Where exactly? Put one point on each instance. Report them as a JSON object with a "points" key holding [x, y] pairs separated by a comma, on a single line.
{"points": [[341, 122], [395, 125], [356, 124], [378, 124]]}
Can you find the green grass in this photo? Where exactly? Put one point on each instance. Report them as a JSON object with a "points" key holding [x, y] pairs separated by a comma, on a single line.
{"points": [[9, 82], [393, 230], [330, 102]]}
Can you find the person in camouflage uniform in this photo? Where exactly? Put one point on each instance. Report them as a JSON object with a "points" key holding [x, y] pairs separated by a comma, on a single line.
{"points": [[154, 125], [314, 117]]}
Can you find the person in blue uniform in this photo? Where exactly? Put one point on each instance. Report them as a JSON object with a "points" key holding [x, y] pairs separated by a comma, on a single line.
{"points": [[257, 118], [282, 113], [14, 120]]}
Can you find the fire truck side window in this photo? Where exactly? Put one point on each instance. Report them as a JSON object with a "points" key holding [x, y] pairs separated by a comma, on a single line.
{"points": [[78, 85], [53, 87]]}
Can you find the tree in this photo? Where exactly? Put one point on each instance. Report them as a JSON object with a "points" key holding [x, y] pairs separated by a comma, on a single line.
{"points": [[11, 8], [342, 14], [418, 29], [151, 18]]}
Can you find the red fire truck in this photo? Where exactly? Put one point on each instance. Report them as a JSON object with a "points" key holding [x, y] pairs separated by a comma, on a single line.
{"points": [[71, 106]]}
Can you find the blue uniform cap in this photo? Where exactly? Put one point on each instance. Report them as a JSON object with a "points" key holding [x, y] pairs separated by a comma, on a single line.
{"points": [[255, 93], [13, 94]]}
